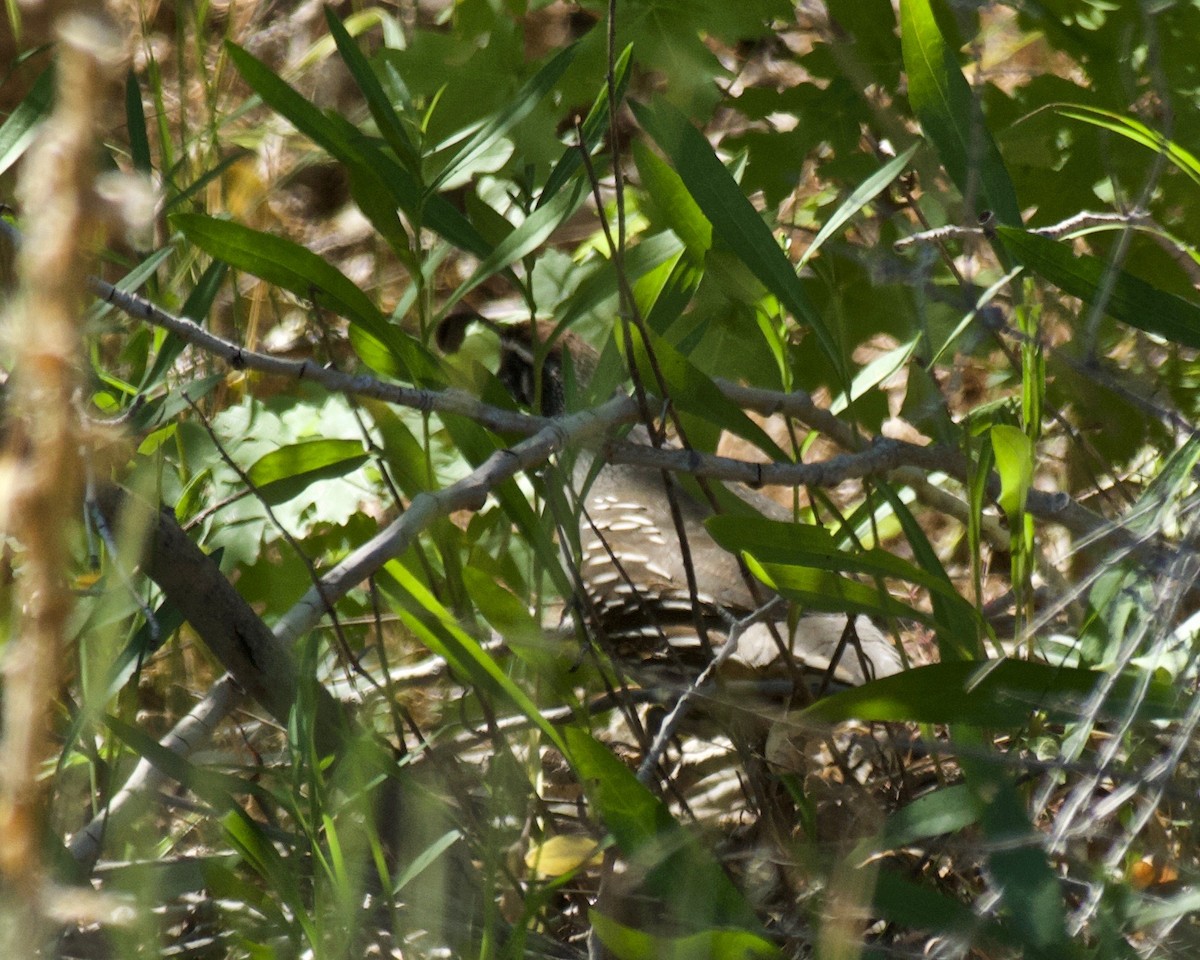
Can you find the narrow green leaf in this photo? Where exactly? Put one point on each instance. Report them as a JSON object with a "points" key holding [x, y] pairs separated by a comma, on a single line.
{"points": [[672, 200], [220, 790], [196, 308], [135, 124], [389, 123], [520, 107], [594, 128], [950, 115], [600, 286], [374, 177], [935, 814], [819, 589], [129, 283], [990, 693], [299, 270], [337, 137], [524, 240], [284, 472], [435, 627], [210, 175], [1028, 887], [285, 264], [626, 943], [1124, 296], [1167, 491], [803, 544], [1014, 463], [956, 621], [17, 132], [425, 859], [733, 217], [1183, 159], [694, 392], [866, 191], [914, 906]]}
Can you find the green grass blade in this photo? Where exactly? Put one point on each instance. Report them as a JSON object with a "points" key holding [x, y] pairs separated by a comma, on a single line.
{"points": [[434, 626]]}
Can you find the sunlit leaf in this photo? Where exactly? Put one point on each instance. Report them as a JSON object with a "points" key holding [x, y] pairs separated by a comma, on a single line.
{"points": [[950, 115]]}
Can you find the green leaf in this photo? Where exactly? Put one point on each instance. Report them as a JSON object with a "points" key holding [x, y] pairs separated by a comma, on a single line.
{"points": [[693, 391], [1014, 463], [932, 815], [677, 868], [525, 100], [989, 693], [285, 264], [17, 132], [195, 308], [1166, 492], [1123, 296], [219, 790], [600, 286], [1183, 160], [140, 273], [595, 126], [135, 124], [867, 191], [378, 102], [950, 115], [283, 473], [625, 943], [1029, 888], [250, 839], [426, 858], [524, 240], [957, 622], [673, 202], [299, 270], [374, 177], [434, 626], [368, 184], [476, 445], [733, 217], [819, 589], [803, 544], [902, 901]]}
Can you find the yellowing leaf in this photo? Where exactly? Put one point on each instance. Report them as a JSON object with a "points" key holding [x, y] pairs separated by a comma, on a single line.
{"points": [[563, 854]]}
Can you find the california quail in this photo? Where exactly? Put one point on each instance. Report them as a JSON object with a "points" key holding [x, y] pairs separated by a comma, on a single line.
{"points": [[631, 566]]}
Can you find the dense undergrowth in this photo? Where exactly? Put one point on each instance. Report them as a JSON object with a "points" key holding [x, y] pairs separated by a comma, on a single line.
{"points": [[927, 273]]}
